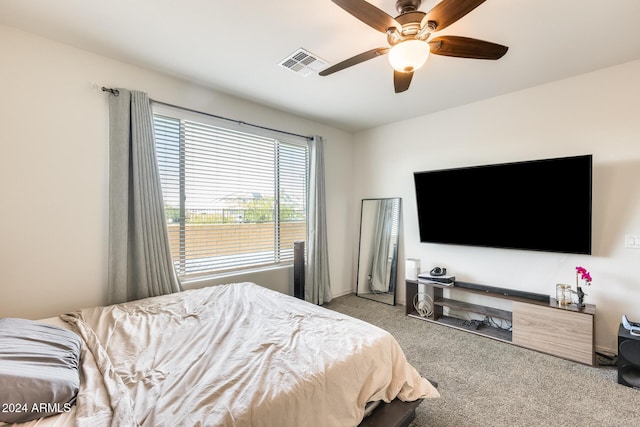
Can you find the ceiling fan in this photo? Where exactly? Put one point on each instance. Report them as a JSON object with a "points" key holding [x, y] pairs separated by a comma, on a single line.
{"points": [[409, 35]]}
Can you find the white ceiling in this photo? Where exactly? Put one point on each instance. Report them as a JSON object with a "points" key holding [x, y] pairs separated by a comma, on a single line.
{"points": [[236, 46]]}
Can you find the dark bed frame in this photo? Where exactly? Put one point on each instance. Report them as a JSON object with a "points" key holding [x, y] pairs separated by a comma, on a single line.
{"points": [[393, 414]]}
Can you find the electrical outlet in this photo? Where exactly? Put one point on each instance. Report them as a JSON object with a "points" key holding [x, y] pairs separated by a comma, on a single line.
{"points": [[632, 241]]}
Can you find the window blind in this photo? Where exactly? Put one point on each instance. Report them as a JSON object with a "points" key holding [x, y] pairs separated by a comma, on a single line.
{"points": [[233, 199]]}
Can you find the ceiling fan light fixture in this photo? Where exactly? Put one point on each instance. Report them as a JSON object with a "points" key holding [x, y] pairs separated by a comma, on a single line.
{"points": [[409, 55]]}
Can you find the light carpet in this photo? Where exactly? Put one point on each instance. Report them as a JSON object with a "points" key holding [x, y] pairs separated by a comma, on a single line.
{"points": [[484, 382]]}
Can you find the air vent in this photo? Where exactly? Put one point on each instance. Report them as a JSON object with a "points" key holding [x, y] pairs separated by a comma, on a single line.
{"points": [[303, 62]]}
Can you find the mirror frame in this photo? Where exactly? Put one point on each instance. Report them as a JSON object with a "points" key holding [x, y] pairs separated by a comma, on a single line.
{"points": [[393, 279]]}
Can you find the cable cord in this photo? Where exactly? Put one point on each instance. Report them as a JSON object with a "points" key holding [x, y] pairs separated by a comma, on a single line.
{"points": [[490, 321], [424, 305]]}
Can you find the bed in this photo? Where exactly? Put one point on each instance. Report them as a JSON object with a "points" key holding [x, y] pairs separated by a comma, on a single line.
{"points": [[231, 355]]}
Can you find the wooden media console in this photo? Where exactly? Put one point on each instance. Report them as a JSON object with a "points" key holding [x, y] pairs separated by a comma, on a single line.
{"points": [[537, 322]]}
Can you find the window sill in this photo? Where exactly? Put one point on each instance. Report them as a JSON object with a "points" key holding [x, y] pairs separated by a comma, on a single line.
{"points": [[229, 277]]}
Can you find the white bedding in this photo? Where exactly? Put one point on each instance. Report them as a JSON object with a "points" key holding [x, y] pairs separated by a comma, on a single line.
{"points": [[234, 355]]}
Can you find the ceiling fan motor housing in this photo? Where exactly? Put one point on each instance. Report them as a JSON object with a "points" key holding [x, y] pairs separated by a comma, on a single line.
{"points": [[410, 22]]}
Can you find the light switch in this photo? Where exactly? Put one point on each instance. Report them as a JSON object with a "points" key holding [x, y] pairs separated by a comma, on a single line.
{"points": [[632, 241]]}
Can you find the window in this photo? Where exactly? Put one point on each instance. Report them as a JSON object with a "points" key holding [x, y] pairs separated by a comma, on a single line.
{"points": [[233, 199]]}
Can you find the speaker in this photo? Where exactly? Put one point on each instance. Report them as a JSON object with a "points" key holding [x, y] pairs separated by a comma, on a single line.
{"points": [[298, 269], [628, 358], [412, 268]]}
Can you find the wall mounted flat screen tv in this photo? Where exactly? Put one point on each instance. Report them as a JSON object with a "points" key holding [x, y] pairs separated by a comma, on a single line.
{"points": [[540, 205]]}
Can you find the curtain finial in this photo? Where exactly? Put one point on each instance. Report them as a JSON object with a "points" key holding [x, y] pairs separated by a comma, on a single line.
{"points": [[114, 92]]}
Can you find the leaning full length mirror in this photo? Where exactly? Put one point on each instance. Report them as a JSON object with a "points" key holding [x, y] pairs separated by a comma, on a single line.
{"points": [[378, 258]]}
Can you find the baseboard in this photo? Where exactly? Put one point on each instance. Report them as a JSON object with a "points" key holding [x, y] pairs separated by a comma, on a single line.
{"points": [[341, 294]]}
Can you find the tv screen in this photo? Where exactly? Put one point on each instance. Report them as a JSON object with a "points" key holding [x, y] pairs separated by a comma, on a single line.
{"points": [[540, 205]]}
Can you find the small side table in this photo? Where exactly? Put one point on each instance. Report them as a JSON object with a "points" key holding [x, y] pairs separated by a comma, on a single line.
{"points": [[628, 358]]}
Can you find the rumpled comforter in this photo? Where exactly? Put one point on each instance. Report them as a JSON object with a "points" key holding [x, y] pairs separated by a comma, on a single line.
{"points": [[235, 355]]}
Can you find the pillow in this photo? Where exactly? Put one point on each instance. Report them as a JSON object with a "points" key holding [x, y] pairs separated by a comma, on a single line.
{"points": [[38, 370]]}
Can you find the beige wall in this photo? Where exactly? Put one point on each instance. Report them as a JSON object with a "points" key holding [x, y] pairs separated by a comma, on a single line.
{"points": [[54, 173], [596, 113]]}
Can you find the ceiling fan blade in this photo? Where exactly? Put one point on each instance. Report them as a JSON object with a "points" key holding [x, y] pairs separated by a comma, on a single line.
{"points": [[364, 56], [465, 47], [369, 14], [447, 12], [401, 80]]}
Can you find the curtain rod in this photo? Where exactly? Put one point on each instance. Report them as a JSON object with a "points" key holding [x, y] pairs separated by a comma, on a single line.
{"points": [[116, 92]]}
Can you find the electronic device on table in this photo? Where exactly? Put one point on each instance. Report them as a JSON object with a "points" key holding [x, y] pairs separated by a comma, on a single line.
{"points": [[437, 275], [632, 327]]}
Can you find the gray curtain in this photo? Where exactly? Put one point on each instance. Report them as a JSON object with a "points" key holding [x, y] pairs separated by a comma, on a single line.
{"points": [[380, 262], [317, 284], [140, 263]]}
